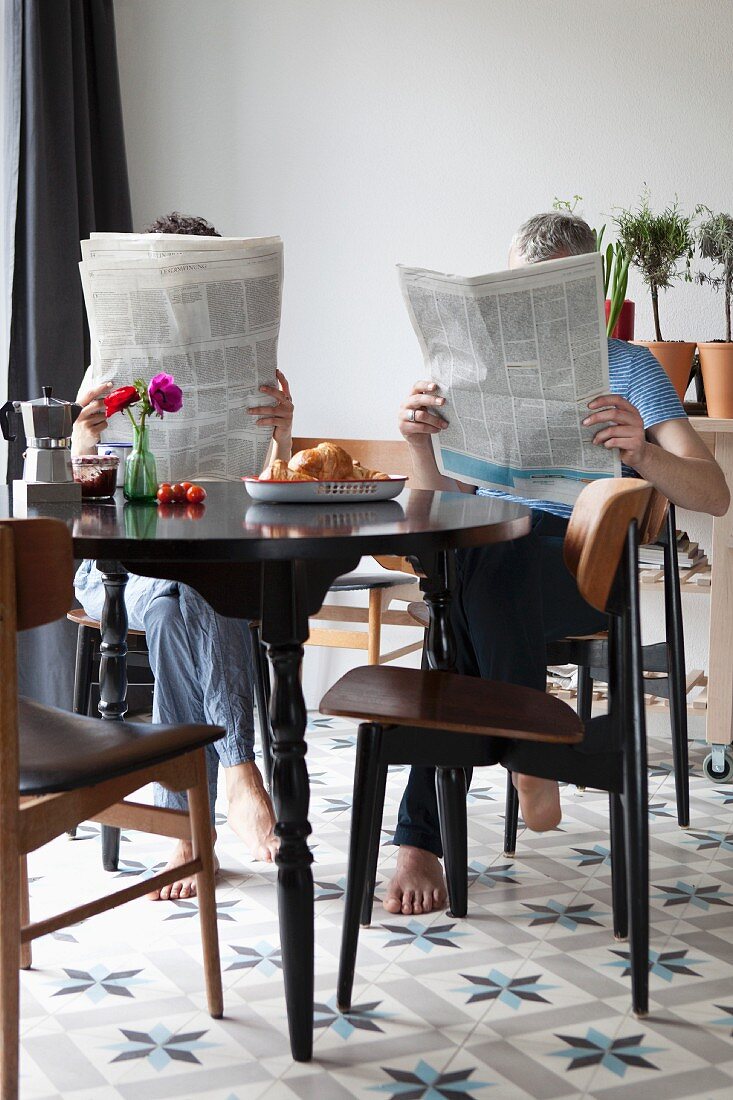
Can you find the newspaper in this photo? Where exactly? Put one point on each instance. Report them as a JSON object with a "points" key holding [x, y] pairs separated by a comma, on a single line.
{"points": [[204, 309], [518, 355]]}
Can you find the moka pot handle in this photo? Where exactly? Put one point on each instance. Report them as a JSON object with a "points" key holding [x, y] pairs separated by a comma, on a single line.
{"points": [[5, 411]]}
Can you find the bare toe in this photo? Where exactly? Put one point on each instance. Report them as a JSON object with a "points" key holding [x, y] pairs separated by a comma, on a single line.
{"points": [[184, 887], [417, 881]]}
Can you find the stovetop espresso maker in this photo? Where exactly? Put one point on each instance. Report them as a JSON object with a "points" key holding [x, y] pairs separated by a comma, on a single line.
{"points": [[47, 472]]}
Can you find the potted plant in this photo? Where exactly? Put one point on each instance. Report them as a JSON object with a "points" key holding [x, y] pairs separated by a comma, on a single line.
{"points": [[657, 244], [619, 310], [715, 241]]}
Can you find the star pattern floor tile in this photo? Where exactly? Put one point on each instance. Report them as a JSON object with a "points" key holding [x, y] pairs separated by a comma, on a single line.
{"points": [[526, 999]]}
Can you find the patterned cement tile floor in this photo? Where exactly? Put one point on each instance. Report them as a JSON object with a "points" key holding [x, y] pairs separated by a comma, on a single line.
{"points": [[528, 997]]}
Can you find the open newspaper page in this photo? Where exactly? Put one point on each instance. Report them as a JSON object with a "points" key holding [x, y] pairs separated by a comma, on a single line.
{"points": [[122, 247], [208, 316], [518, 355]]}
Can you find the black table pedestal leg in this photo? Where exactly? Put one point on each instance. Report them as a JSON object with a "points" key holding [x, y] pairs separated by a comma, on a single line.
{"points": [[291, 796], [437, 585], [113, 675]]}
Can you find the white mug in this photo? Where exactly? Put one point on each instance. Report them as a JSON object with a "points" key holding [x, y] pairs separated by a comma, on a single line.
{"points": [[122, 450]]}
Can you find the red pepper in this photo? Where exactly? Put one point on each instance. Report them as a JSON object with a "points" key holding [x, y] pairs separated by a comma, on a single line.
{"points": [[120, 399]]}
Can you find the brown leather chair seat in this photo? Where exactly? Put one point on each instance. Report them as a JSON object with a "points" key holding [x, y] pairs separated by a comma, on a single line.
{"points": [[62, 752]]}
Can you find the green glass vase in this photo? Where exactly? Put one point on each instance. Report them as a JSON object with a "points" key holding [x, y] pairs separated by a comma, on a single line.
{"points": [[141, 479]]}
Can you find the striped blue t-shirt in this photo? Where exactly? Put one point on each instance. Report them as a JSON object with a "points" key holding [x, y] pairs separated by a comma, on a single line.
{"points": [[635, 374]]}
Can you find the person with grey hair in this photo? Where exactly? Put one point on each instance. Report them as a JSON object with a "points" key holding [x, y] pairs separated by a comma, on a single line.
{"points": [[550, 236], [512, 599]]}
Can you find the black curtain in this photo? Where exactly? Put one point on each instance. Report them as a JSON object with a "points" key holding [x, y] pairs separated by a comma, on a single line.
{"points": [[72, 180]]}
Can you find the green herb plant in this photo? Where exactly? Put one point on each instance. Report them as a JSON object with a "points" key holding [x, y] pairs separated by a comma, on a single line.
{"points": [[715, 241], [656, 244]]}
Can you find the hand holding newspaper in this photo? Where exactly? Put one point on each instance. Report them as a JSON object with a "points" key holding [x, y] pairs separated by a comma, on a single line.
{"points": [[518, 355], [204, 309]]}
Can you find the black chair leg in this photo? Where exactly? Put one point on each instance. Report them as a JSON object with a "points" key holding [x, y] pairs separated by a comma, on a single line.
{"points": [[450, 784], [366, 779], [262, 695], [82, 677], [511, 818], [83, 669], [676, 672], [618, 869], [585, 693], [110, 848], [376, 832], [635, 799]]}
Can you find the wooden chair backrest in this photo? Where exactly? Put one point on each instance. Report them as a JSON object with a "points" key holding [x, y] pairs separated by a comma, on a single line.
{"points": [[596, 534], [41, 560], [389, 456], [652, 525]]}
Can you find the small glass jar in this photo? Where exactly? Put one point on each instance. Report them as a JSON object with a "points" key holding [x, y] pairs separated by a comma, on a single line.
{"points": [[97, 475]]}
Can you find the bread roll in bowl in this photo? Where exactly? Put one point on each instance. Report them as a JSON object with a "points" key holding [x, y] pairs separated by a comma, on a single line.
{"points": [[279, 471], [326, 462]]}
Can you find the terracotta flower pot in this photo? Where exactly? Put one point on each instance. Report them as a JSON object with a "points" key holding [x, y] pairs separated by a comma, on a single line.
{"points": [[716, 362], [676, 357], [624, 327]]}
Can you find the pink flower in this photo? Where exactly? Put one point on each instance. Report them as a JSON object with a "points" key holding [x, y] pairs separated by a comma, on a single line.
{"points": [[165, 395]]}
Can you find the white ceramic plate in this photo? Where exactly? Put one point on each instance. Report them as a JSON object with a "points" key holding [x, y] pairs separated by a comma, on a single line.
{"points": [[321, 492]]}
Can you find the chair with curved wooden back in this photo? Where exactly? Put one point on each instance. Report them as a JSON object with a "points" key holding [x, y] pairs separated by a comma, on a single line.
{"points": [[58, 769], [665, 659], [446, 720]]}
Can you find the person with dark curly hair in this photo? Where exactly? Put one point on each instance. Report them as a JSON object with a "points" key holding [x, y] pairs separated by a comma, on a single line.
{"points": [[202, 661], [176, 222]]}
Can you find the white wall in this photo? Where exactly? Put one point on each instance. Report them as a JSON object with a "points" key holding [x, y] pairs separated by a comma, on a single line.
{"points": [[372, 132]]}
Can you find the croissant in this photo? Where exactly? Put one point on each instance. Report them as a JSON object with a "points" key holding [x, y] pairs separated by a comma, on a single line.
{"points": [[360, 473], [326, 462], [279, 471]]}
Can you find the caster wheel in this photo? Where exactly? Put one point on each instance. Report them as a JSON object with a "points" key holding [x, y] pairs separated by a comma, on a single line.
{"points": [[724, 776]]}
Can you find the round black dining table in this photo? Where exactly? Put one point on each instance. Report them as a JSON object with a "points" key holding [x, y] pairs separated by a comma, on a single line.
{"points": [[275, 563]]}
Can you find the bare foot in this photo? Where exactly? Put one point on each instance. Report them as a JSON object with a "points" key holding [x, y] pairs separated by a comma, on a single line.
{"points": [[539, 802], [184, 887], [250, 811], [417, 885]]}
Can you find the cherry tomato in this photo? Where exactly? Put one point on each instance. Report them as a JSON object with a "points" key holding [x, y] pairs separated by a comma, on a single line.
{"points": [[179, 493], [165, 494], [195, 511], [196, 494], [186, 485]]}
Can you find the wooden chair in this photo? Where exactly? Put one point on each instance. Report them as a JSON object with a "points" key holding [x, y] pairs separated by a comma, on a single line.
{"points": [[390, 457], [666, 659], [444, 719], [59, 769]]}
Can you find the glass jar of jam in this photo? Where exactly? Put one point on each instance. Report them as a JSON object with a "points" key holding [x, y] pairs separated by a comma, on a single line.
{"points": [[97, 475]]}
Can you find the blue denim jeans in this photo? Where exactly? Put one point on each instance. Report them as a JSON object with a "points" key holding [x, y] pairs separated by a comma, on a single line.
{"points": [[510, 600], [202, 663]]}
